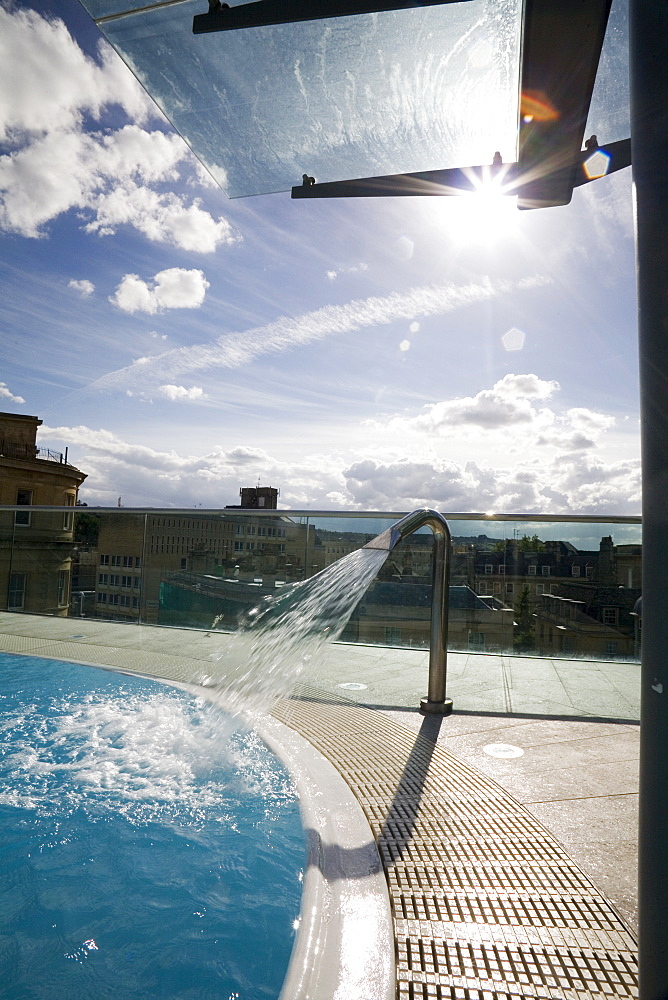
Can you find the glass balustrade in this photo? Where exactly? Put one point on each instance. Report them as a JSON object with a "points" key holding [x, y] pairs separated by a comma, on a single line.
{"points": [[530, 589]]}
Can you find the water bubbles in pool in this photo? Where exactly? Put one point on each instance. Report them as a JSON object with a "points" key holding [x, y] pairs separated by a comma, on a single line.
{"points": [[147, 756]]}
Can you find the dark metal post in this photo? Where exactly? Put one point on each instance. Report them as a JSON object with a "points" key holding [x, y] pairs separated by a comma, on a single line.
{"points": [[649, 137]]}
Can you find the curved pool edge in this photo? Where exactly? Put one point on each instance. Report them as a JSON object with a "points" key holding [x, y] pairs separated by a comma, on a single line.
{"points": [[345, 943]]}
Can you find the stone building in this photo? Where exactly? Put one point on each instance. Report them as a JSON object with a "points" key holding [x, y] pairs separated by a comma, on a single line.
{"points": [[36, 546]]}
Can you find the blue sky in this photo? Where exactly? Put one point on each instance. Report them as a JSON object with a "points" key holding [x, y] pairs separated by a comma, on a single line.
{"points": [[379, 354]]}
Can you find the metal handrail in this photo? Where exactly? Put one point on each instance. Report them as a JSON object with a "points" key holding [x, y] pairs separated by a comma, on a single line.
{"points": [[435, 703]]}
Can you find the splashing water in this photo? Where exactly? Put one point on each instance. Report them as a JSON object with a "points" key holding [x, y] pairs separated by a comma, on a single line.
{"points": [[288, 633]]}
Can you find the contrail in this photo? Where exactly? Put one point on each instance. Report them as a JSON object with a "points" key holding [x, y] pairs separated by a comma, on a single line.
{"points": [[234, 350]]}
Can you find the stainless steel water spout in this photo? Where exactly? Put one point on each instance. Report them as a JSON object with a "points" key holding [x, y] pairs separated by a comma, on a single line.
{"points": [[435, 703]]}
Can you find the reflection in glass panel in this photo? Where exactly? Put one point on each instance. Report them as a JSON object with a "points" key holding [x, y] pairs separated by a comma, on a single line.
{"points": [[551, 594], [347, 97], [552, 589]]}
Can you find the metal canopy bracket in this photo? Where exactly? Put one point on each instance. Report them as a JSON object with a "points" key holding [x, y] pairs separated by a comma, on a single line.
{"points": [[561, 48], [252, 15], [588, 165]]}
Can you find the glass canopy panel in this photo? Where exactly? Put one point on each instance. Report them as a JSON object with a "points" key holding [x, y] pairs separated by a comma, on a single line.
{"points": [[609, 112], [347, 97]]}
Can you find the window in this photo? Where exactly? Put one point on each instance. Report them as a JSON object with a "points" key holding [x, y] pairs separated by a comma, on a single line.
{"points": [[392, 634], [611, 616], [489, 569], [545, 570], [103, 579], [240, 529], [22, 517], [588, 571], [67, 518], [63, 582], [114, 598], [531, 570], [17, 591], [115, 560], [124, 601], [184, 564], [575, 570], [250, 530], [611, 649], [476, 640], [238, 546], [260, 501], [137, 562], [114, 580], [281, 547], [104, 560], [540, 589], [126, 581], [137, 583], [127, 561], [502, 570], [509, 588], [135, 602], [262, 529], [250, 546], [101, 598]]}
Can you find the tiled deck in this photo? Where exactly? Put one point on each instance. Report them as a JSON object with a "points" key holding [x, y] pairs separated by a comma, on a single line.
{"points": [[485, 898]]}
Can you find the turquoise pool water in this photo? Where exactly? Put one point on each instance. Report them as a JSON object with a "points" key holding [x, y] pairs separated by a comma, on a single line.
{"points": [[150, 849]]}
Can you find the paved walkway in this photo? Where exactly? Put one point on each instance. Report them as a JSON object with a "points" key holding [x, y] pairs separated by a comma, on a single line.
{"points": [[485, 902]]}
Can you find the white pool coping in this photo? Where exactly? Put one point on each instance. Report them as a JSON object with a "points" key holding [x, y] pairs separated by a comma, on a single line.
{"points": [[345, 943]]}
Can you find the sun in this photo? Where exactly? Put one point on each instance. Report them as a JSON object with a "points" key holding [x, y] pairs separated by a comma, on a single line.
{"points": [[484, 217]]}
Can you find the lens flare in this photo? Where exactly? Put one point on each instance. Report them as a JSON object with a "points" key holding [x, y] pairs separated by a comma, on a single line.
{"points": [[597, 165], [535, 106]]}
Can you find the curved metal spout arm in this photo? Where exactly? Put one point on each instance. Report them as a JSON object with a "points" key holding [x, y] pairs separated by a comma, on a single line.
{"points": [[435, 702]]}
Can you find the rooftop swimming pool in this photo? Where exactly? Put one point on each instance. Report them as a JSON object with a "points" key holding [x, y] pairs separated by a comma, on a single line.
{"points": [[151, 847]]}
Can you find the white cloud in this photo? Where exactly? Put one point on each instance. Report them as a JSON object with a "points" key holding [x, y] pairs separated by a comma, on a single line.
{"points": [[76, 85], [6, 393], [174, 288], [162, 217], [576, 486], [509, 401], [57, 163], [576, 429], [179, 392], [146, 476], [237, 349], [83, 287], [354, 269]]}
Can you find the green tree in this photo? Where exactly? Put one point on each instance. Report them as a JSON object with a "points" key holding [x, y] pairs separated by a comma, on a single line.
{"points": [[86, 529], [524, 636], [530, 544]]}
